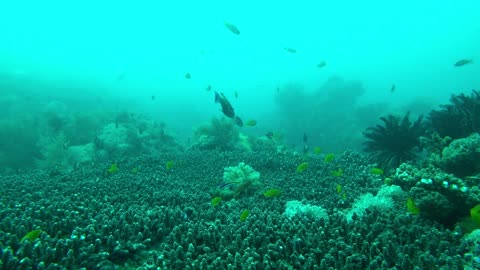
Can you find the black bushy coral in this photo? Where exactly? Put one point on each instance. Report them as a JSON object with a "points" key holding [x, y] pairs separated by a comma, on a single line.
{"points": [[396, 141], [458, 119]]}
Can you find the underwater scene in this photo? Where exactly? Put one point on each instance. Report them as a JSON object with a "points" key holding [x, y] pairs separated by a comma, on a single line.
{"points": [[240, 135]]}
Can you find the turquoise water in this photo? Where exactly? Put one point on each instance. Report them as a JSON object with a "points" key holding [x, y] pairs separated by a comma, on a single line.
{"points": [[113, 56], [120, 123]]}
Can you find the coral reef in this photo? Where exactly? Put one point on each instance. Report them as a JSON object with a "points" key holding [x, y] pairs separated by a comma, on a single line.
{"points": [[238, 180], [458, 119], [153, 218], [440, 196], [462, 156], [219, 134]]}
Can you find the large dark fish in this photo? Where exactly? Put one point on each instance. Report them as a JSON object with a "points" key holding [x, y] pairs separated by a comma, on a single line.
{"points": [[463, 62], [227, 108], [232, 28]]}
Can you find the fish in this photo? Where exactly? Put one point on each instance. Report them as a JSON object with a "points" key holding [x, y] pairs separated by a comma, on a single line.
{"points": [[216, 201], [209, 88], [305, 143], [232, 28], [188, 76], [121, 76], [153, 97], [376, 171], [302, 167], [244, 215], [290, 50], [392, 89], [463, 62], [228, 185], [236, 94], [322, 64], [227, 108], [251, 123], [269, 135]]}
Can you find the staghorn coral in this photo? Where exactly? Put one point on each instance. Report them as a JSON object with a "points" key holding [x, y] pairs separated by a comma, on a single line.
{"points": [[396, 141]]}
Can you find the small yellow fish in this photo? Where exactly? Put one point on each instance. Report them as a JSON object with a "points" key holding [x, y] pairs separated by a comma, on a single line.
{"points": [[113, 168], [31, 236], [337, 173], [339, 188], [376, 171], [251, 123], [317, 150], [329, 157], [244, 215], [302, 167], [274, 192], [169, 165], [388, 181], [412, 207], [216, 201]]}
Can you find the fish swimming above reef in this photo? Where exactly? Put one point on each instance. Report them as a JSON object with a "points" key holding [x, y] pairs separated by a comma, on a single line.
{"points": [[322, 64], [305, 143], [392, 89], [290, 50], [121, 76], [463, 62], [227, 108], [232, 28]]}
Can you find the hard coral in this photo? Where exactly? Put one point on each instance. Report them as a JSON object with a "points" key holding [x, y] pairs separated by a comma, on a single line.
{"points": [[220, 134], [396, 141], [458, 119]]}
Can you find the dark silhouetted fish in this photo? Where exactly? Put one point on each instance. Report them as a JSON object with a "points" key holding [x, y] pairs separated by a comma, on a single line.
{"points": [[322, 64], [227, 108], [290, 50], [232, 28], [463, 62], [188, 76], [305, 143], [392, 89]]}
